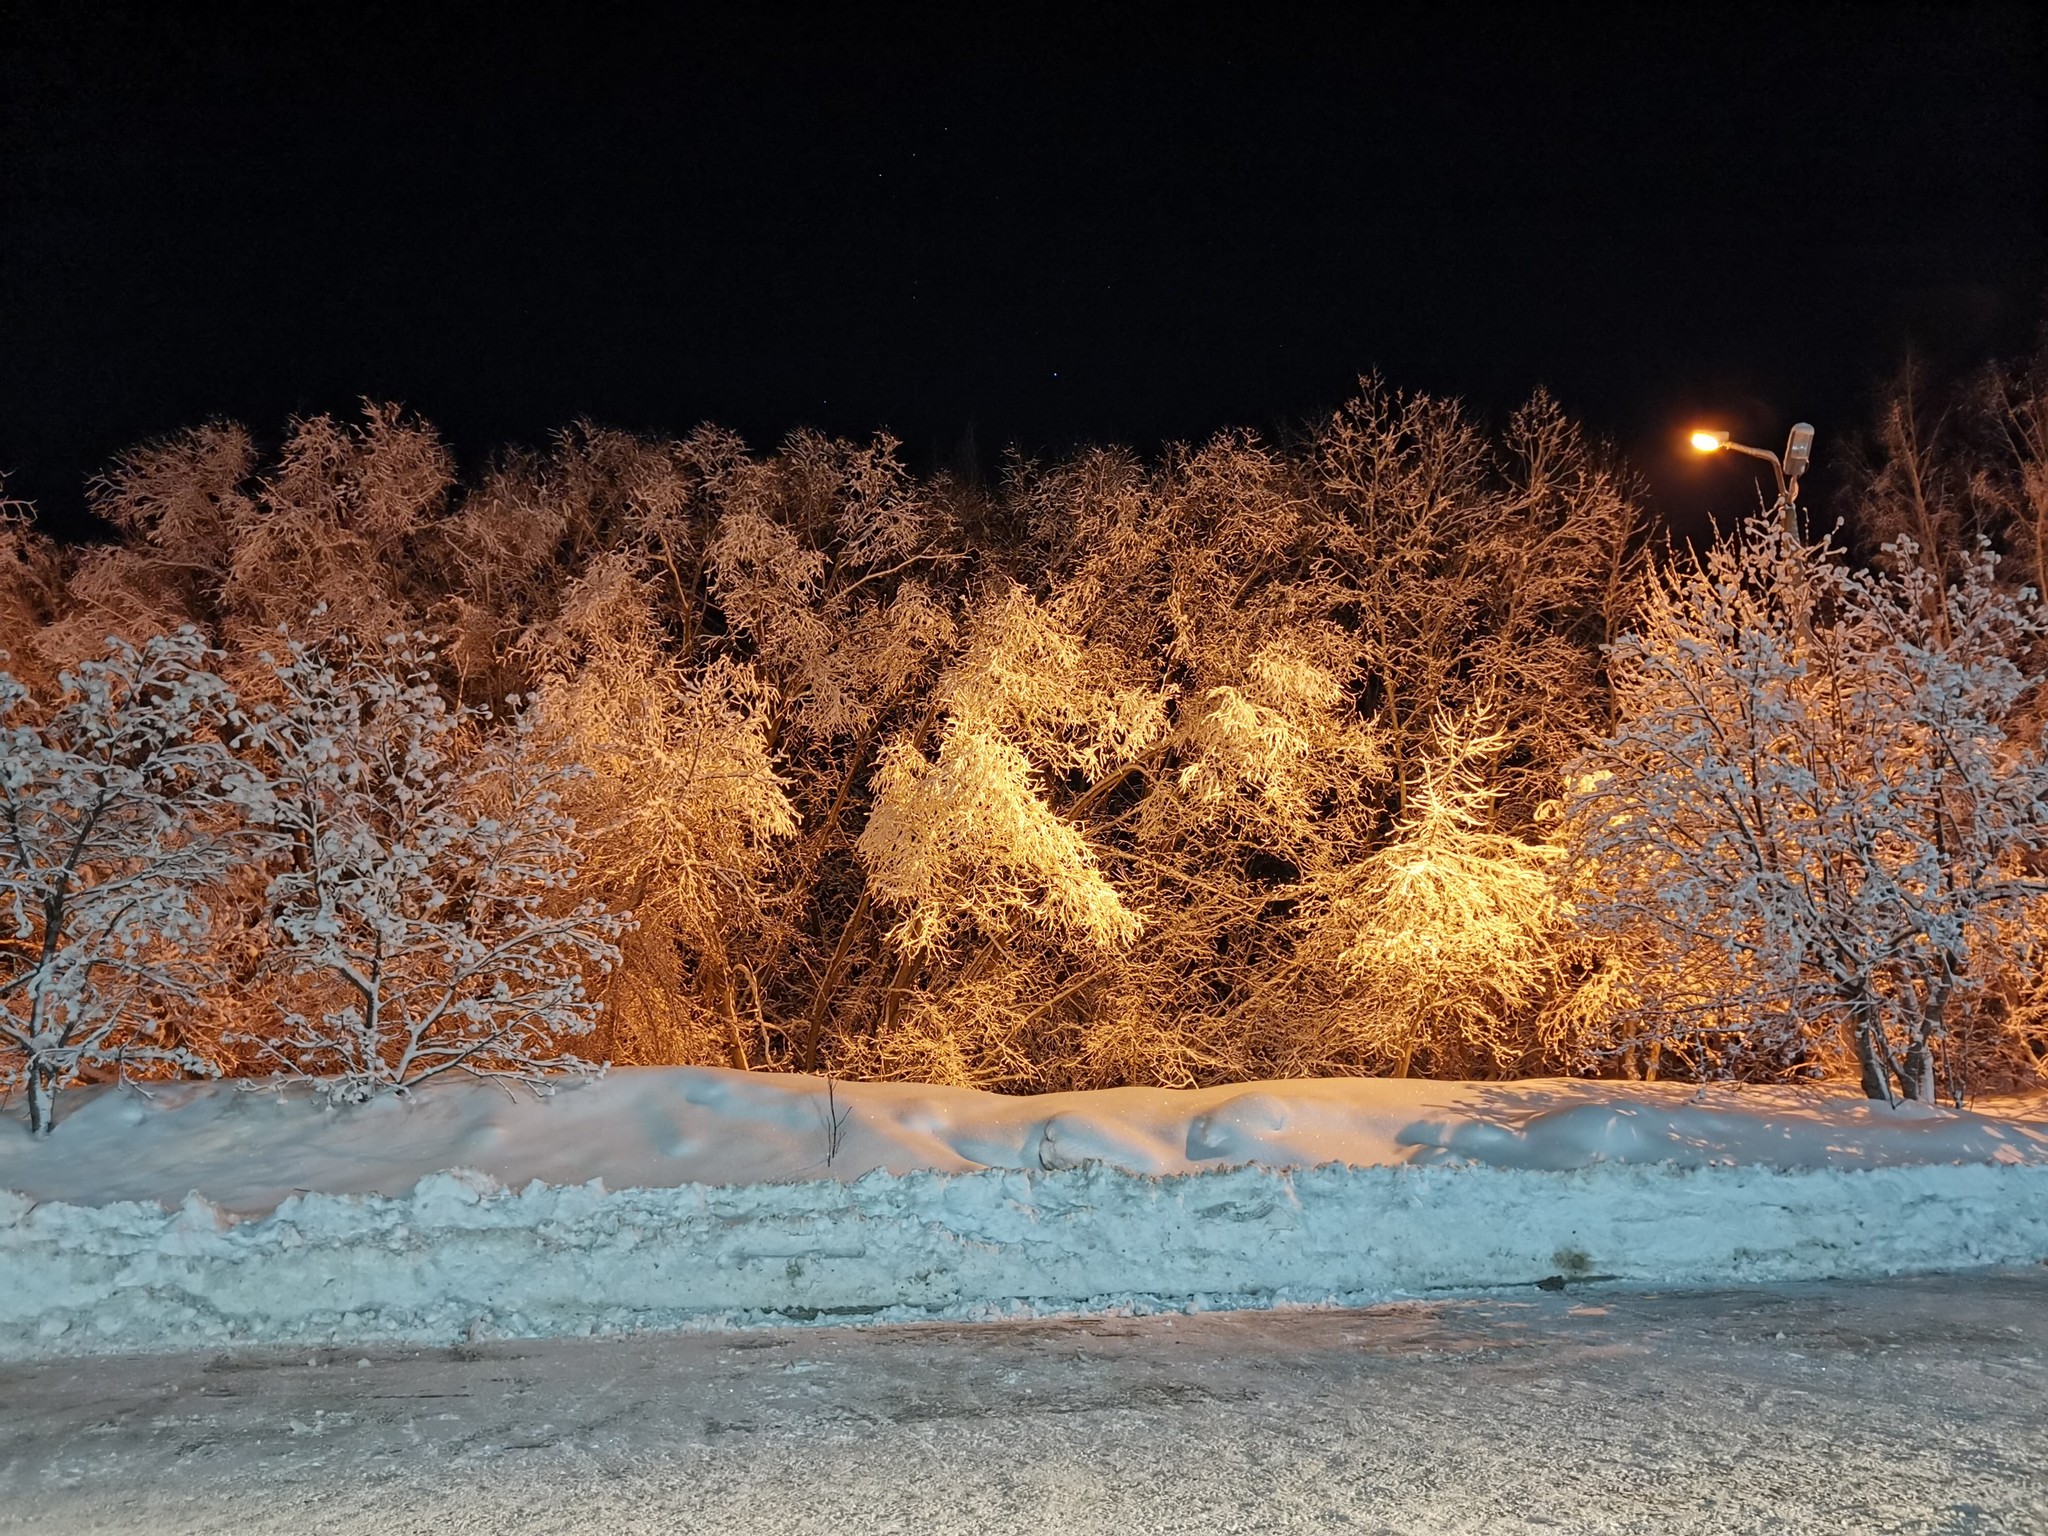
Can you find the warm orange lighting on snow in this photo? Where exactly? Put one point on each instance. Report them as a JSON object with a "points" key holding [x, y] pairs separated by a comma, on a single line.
{"points": [[1709, 442]]}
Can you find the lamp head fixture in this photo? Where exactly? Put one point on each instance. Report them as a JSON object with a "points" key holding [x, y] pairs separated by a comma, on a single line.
{"points": [[1798, 450]]}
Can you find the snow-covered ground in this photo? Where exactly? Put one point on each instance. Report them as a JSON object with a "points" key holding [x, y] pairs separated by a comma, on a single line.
{"points": [[205, 1213], [1910, 1405]]}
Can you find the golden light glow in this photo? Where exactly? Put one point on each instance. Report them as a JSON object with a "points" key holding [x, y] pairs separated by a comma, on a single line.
{"points": [[1709, 442]]}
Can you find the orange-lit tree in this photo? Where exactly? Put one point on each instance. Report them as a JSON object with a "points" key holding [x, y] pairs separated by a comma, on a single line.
{"points": [[1217, 702], [1071, 781]]}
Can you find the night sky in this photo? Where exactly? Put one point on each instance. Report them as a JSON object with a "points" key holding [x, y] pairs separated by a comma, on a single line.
{"points": [[1002, 224]]}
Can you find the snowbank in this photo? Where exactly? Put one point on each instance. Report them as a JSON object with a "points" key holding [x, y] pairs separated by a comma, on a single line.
{"points": [[706, 1198], [658, 1128]]}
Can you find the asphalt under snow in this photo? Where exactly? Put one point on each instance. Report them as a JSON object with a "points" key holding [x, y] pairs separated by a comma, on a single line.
{"points": [[1908, 1405]]}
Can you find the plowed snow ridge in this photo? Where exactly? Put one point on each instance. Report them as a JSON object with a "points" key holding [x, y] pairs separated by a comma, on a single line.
{"points": [[700, 1198]]}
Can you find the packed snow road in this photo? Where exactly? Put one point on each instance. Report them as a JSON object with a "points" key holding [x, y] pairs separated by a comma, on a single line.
{"points": [[1905, 1405]]}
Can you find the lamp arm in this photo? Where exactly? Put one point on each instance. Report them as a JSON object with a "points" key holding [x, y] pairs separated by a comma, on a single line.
{"points": [[1777, 469]]}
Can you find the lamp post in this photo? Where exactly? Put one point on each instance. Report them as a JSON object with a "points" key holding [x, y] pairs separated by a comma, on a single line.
{"points": [[1786, 468]]}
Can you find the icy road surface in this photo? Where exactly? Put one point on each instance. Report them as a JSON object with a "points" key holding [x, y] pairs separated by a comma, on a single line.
{"points": [[1905, 1405]]}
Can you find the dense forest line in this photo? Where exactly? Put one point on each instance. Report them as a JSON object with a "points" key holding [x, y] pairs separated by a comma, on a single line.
{"points": [[1400, 748]]}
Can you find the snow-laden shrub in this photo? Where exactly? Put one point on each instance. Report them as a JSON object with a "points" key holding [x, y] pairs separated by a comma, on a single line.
{"points": [[1816, 813], [424, 908], [119, 806], [1444, 945]]}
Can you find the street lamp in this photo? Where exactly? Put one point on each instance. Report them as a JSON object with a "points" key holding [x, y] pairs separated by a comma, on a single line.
{"points": [[1786, 468]]}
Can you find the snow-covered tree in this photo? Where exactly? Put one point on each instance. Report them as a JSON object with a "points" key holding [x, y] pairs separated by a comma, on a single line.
{"points": [[1213, 704], [1812, 817], [1445, 944], [972, 852], [32, 588], [1046, 783], [969, 842], [119, 807], [681, 809], [340, 521], [425, 911]]}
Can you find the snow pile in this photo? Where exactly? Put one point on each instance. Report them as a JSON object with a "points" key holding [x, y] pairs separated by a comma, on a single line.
{"points": [[694, 1197], [461, 1257], [655, 1127]]}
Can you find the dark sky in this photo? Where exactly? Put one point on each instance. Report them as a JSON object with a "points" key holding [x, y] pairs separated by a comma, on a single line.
{"points": [[1050, 225]]}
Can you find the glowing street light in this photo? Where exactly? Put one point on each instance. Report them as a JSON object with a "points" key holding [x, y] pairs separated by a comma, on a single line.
{"points": [[1786, 468]]}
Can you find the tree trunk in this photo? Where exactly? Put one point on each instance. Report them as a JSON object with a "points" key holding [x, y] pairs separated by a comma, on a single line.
{"points": [[1875, 1083], [42, 1107], [892, 1000], [821, 1003], [1919, 1073], [716, 979]]}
